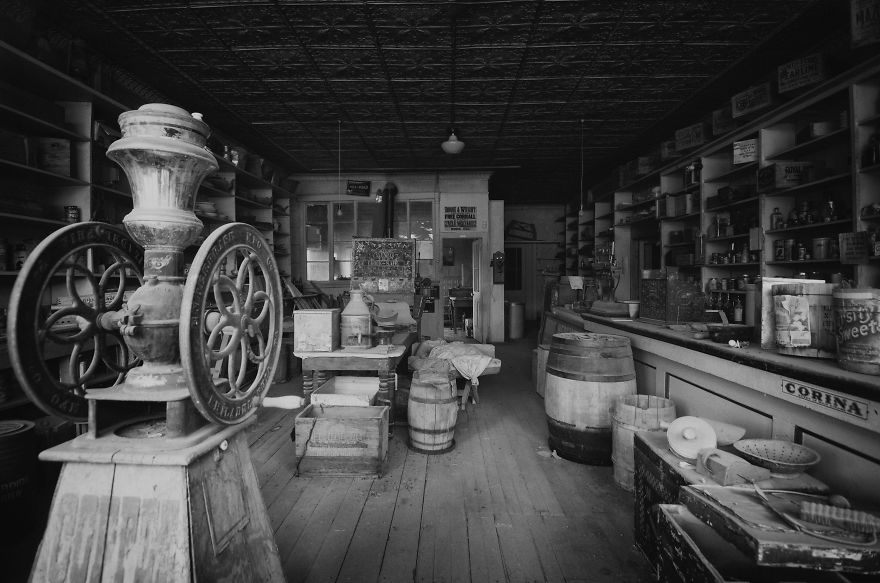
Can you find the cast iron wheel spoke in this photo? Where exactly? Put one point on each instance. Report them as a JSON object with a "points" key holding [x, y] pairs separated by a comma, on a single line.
{"points": [[230, 359], [58, 265]]}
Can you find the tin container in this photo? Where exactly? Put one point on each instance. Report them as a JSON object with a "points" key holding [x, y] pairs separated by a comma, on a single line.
{"points": [[821, 247], [778, 250], [789, 250], [71, 214]]}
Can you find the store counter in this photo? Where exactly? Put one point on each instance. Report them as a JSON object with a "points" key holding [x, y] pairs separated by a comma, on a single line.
{"points": [[810, 401]]}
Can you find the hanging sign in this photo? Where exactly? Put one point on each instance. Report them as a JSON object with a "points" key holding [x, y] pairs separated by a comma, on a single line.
{"points": [[460, 213], [864, 22], [801, 72], [358, 188]]}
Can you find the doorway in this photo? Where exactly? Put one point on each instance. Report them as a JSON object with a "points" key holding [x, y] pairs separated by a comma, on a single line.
{"points": [[461, 288]]}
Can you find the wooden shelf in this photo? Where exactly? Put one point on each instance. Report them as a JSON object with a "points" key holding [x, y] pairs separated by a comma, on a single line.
{"points": [[30, 219], [804, 147], [736, 171], [810, 185], [49, 177], [732, 204], [810, 226]]}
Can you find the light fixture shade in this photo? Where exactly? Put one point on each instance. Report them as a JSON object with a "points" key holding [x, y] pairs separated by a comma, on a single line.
{"points": [[452, 145]]}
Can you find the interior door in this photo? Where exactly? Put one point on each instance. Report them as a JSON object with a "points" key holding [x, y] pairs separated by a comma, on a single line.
{"points": [[477, 278]]}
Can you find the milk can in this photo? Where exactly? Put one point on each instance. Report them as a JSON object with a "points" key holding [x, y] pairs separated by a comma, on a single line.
{"points": [[356, 322]]}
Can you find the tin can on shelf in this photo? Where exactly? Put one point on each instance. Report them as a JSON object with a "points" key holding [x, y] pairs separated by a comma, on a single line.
{"points": [[789, 250], [779, 250], [71, 214], [724, 284], [821, 247]]}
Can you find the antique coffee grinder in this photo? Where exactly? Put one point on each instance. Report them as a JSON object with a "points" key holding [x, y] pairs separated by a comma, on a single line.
{"points": [[166, 370]]}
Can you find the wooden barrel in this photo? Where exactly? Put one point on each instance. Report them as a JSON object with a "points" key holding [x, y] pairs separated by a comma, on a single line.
{"points": [[633, 413], [432, 412], [857, 315], [804, 319], [586, 373], [18, 464]]}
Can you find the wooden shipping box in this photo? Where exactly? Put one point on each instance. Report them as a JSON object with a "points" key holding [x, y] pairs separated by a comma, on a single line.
{"points": [[341, 441], [316, 330], [347, 390], [51, 155], [784, 174], [659, 478], [741, 517], [691, 551]]}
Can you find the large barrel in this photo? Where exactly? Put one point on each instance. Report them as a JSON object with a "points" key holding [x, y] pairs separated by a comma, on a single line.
{"points": [[586, 373], [804, 319], [633, 413], [18, 464], [432, 412], [857, 315]]}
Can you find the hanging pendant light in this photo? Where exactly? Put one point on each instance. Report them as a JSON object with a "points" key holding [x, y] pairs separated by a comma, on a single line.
{"points": [[581, 211], [452, 145]]}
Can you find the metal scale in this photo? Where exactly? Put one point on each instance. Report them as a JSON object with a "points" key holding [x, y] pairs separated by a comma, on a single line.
{"points": [[168, 376]]}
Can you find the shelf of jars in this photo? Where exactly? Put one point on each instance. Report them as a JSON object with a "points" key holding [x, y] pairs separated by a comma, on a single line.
{"points": [[684, 217]]}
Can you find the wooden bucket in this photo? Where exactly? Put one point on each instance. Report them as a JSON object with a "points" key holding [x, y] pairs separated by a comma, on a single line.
{"points": [[805, 319], [633, 413], [586, 373], [18, 465], [857, 315], [432, 413]]}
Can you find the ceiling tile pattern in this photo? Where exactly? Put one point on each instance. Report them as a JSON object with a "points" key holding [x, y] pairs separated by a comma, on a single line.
{"points": [[514, 77]]}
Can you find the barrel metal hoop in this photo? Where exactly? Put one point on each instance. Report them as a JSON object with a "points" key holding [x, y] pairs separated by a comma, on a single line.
{"points": [[431, 431], [433, 401], [592, 378]]}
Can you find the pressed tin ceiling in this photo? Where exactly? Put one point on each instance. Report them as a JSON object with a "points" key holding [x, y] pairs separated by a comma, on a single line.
{"points": [[514, 76]]}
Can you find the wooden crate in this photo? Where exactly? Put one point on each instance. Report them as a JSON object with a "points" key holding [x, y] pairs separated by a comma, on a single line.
{"points": [[316, 330], [341, 441], [692, 552], [658, 479], [742, 518], [347, 390]]}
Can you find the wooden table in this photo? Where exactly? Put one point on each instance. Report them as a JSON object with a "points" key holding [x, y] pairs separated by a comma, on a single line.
{"points": [[316, 366]]}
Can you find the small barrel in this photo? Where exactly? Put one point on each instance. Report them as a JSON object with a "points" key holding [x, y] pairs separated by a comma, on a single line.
{"points": [[586, 373], [633, 413], [857, 318], [18, 465], [432, 412], [805, 319]]}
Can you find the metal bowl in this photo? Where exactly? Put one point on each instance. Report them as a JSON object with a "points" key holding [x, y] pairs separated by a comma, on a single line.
{"points": [[782, 458]]}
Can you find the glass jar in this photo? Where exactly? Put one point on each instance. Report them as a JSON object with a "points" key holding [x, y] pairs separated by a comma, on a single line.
{"points": [[776, 219]]}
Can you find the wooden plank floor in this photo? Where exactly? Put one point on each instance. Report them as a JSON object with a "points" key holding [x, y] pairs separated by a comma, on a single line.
{"points": [[499, 507]]}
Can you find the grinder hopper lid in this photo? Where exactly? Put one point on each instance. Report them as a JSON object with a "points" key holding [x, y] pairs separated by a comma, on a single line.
{"points": [[688, 435]]}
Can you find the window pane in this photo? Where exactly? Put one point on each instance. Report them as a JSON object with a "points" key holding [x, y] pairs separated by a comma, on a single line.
{"points": [[421, 219], [343, 269], [318, 271], [317, 242], [342, 251], [365, 219], [401, 220]]}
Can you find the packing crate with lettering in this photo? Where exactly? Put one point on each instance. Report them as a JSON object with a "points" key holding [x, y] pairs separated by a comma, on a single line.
{"points": [[341, 441]]}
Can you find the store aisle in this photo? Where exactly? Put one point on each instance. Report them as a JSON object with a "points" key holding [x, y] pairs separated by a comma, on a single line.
{"points": [[499, 507]]}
